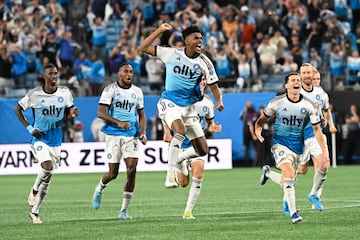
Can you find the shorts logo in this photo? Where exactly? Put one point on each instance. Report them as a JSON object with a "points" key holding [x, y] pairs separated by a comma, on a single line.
{"points": [[170, 105], [281, 153], [39, 148], [109, 156]]}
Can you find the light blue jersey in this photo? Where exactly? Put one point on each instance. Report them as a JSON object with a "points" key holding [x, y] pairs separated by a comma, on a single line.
{"points": [[48, 111], [123, 105], [205, 110], [321, 102], [290, 121], [182, 74]]}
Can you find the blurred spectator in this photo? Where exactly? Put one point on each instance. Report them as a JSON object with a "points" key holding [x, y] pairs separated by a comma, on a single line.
{"points": [[6, 61], [337, 63], [282, 45], [73, 131], [353, 68], [156, 128], [50, 47], [267, 53], [296, 49], [265, 155], [96, 75], [33, 6], [19, 66], [155, 73], [82, 66], [315, 60], [248, 116], [352, 121], [96, 126], [67, 45]]}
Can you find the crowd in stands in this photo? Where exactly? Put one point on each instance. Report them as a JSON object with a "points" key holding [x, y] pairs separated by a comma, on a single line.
{"points": [[251, 42]]}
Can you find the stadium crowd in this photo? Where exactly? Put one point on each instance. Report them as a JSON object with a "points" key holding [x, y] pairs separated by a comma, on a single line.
{"points": [[251, 43]]}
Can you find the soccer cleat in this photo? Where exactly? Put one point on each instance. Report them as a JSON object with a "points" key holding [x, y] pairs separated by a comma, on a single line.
{"points": [[315, 200], [123, 215], [286, 209], [35, 218], [188, 215], [295, 218], [171, 183], [182, 168], [32, 198], [96, 199], [264, 177]]}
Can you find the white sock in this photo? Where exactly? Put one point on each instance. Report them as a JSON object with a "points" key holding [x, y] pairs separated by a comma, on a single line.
{"points": [[187, 154], [174, 148], [289, 194], [127, 196], [318, 182], [40, 178], [43, 189], [100, 187], [194, 193], [274, 176]]}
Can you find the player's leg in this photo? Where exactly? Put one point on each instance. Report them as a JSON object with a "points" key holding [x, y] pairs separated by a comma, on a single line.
{"points": [[113, 153], [269, 174], [129, 186], [131, 155], [321, 166], [197, 168], [171, 115]]}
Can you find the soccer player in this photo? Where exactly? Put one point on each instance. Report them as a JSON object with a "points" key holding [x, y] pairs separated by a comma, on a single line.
{"points": [[121, 105], [292, 112], [205, 110], [176, 105], [50, 104], [312, 148]]}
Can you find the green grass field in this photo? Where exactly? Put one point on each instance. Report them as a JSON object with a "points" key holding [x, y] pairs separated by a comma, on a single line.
{"points": [[232, 205]]}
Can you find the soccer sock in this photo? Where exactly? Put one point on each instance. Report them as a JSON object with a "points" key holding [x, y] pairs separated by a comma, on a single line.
{"points": [[318, 182], [174, 148], [169, 173], [274, 176], [187, 154], [40, 178], [289, 194], [100, 187], [193, 194], [126, 200], [43, 189]]}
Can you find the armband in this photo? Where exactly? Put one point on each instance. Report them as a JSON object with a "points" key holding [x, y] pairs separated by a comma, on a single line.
{"points": [[30, 129]]}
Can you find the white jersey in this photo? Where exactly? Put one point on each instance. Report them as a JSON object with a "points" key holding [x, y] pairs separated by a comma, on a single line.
{"points": [[290, 120], [182, 75], [205, 110], [123, 105], [321, 102], [48, 110]]}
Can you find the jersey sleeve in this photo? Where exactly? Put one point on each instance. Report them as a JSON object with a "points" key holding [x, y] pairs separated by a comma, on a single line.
{"points": [[164, 53], [25, 102], [140, 102], [210, 73], [314, 114], [106, 96]]}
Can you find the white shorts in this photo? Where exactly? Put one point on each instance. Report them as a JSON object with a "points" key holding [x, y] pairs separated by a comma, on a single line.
{"points": [[199, 158], [169, 112], [283, 154], [42, 152], [312, 149], [118, 147]]}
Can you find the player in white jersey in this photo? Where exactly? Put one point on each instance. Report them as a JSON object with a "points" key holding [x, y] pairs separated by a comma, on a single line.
{"points": [[205, 110], [51, 104], [292, 112], [312, 148], [183, 70], [121, 106]]}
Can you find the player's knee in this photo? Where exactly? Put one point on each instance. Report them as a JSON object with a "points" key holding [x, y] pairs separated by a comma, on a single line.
{"points": [[183, 181], [113, 175], [303, 169]]}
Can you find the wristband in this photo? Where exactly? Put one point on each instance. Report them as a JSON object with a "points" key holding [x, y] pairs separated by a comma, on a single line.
{"points": [[30, 129]]}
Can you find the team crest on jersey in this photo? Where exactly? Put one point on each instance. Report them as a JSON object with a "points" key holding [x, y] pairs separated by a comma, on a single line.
{"points": [[133, 96], [60, 99], [109, 156], [39, 148], [317, 97], [205, 109], [303, 111]]}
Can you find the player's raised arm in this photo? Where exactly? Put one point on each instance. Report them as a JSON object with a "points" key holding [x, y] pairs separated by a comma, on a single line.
{"points": [[145, 46]]}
